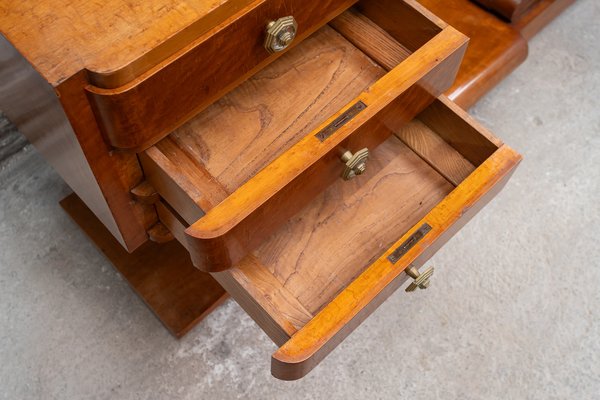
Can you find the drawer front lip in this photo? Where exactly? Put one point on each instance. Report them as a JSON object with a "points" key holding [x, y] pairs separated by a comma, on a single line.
{"points": [[138, 114], [229, 231], [303, 351]]}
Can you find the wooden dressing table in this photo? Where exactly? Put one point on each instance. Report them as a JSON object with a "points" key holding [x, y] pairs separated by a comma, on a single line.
{"points": [[306, 158]]}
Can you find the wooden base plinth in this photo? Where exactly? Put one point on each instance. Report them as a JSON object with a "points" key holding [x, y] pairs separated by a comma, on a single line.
{"points": [[540, 15], [496, 45], [161, 274]]}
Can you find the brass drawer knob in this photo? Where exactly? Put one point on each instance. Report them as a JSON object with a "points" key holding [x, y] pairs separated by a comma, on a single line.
{"points": [[421, 280], [356, 163], [280, 34]]}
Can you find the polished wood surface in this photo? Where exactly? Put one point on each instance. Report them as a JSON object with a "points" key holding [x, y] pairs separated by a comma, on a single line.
{"points": [[299, 284], [307, 347], [510, 9], [495, 48], [162, 275], [250, 127], [116, 173], [540, 15], [63, 37], [142, 112], [61, 126], [343, 314], [238, 224]]}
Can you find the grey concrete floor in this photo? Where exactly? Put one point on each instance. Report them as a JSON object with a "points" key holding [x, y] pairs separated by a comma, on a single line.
{"points": [[513, 312]]}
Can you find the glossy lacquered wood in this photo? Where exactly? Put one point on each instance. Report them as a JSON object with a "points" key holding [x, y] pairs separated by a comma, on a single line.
{"points": [[141, 112], [114, 40], [495, 48], [510, 9], [278, 162], [540, 15]]}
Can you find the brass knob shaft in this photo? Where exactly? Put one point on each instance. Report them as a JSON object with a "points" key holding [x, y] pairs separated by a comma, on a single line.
{"points": [[420, 280], [280, 34], [356, 164]]}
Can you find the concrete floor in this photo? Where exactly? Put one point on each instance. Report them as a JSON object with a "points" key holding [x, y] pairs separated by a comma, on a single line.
{"points": [[513, 311]]}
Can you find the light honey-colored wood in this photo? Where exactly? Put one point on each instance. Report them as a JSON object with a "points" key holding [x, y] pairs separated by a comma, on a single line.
{"points": [[435, 151], [325, 246], [325, 269], [339, 317], [393, 100], [105, 37], [141, 112], [253, 125]]}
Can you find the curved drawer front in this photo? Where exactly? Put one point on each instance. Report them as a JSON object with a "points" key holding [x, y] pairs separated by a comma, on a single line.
{"points": [[143, 111], [245, 201], [328, 267]]}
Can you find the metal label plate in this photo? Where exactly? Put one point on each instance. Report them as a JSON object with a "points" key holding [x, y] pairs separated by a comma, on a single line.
{"points": [[340, 121], [409, 243]]}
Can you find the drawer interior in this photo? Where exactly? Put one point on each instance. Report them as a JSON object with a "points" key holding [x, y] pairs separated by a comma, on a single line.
{"points": [[251, 126], [325, 269], [325, 246], [232, 140]]}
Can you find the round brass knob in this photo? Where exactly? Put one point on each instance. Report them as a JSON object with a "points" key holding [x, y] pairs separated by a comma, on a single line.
{"points": [[421, 280], [356, 163], [280, 34]]}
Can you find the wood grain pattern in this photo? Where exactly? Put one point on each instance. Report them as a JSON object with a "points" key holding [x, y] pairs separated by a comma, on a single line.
{"points": [[257, 120], [238, 224], [324, 247], [275, 309], [494, 51], [256, 290], [435, 151], [140, 113], [116, 173], [361, 297], [32, 105], [324, 271], [145, 193], [63, 37], [253, 125], [162, 275], [370, 38]]}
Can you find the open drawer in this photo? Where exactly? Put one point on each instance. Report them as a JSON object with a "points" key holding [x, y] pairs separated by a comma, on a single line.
{"points": [[328, 267], [241, 168]]}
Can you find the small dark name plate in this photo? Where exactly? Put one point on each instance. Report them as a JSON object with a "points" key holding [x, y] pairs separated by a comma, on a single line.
{"points": [[409, 243], [340, 121]]}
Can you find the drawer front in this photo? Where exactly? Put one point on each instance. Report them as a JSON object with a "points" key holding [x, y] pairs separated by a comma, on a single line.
{"points": [[237, 223], [322, 273], [140, 113]]}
